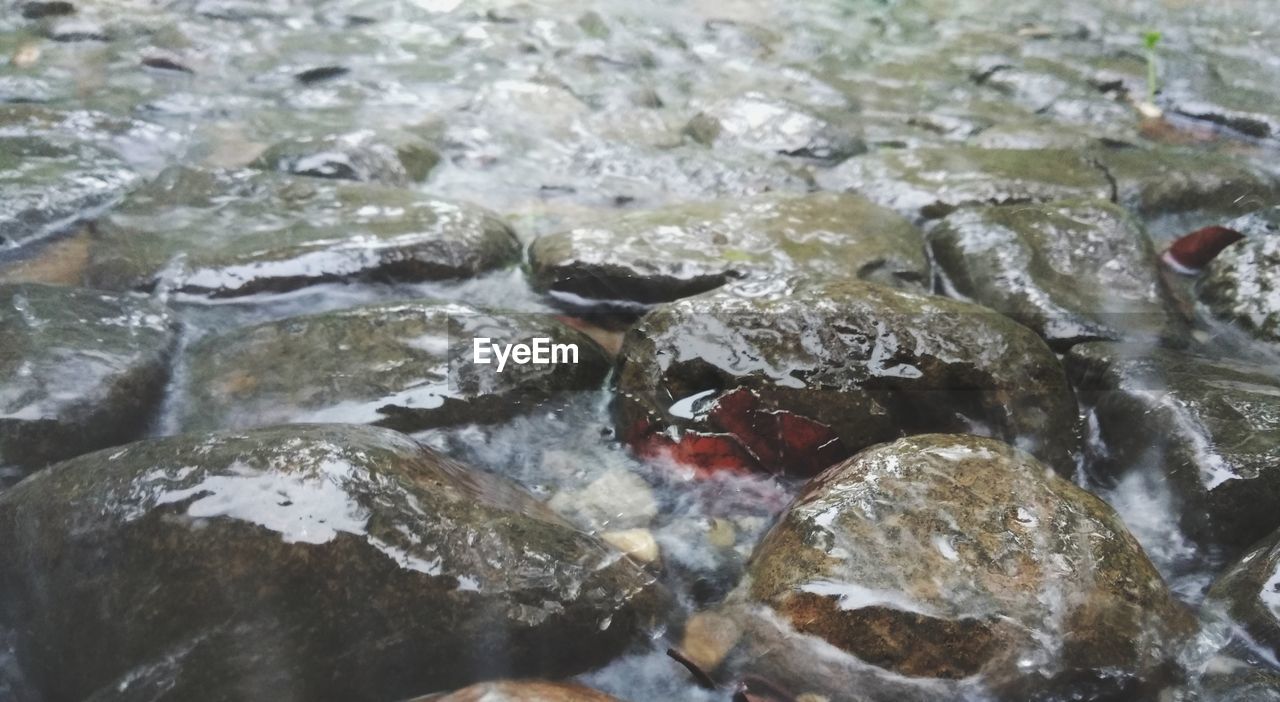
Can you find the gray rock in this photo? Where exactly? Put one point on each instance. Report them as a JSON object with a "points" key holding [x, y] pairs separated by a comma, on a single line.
{"points": [[319, 562], [666, 254], [798, 383], [955, 562], [1209, 427], [230, 233], [757, 122], [79, 370], [929, 183], [1073, 271], [1242, 285], [1247, 593], [394, 158], [403, 365], [1160, 182]]}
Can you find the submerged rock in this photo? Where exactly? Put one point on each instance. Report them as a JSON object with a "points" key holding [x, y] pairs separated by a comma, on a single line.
{"points": [[671, 253], [319, 562], [1073, 271], [391, 159], [760, 123], [930, 183], [1242, 285], [50, 183], [79, 370], [1209, 427], [404, 365], [229, 233], [798, 383], [522, 691], [1161, 182], [1247, 593], [954, 563]]}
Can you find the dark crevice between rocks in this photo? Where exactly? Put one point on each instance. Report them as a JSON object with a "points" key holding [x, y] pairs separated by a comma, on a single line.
{"points": [[1111, 179]]}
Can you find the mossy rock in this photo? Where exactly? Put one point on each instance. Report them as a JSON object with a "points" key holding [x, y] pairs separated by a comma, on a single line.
{"points": [[1242, 285]]}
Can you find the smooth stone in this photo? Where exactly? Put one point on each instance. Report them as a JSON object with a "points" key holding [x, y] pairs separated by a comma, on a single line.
{"points": [[930, 183], [395, 158], [794, 384], [758, 122], [405, 365], [229, 233], [666, 254], [522, 691], [181, 565], [80, 370], [940, 565], [1074, 271]]}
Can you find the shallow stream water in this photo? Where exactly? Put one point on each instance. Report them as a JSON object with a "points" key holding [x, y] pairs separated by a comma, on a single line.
{"points": [[558, 114]]}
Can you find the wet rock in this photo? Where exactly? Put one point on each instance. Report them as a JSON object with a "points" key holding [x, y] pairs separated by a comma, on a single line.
{"points": [[1242, 285], [403, 365], [1240, 683], [956, 561], [51, 183], [1161, 182], [666, 254], [522, 691], [1247, 593], [320, 562], [761, 123], [1210, 427], [930, 183], [391, 159], [1073, 271], [79, 370], [230, 233], [796, 384], [41, 10], [616, 499]]}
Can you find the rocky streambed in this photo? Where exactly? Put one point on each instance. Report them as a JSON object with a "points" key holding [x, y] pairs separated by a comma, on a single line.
{"points": [[880, 387]]}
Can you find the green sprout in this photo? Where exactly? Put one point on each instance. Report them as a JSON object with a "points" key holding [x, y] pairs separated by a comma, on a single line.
{"points": [[1151, 40]]}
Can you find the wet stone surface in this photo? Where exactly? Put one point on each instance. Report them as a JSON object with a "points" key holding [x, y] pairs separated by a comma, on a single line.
{"points": [[79, 370], [1209, 428], [406, 365], [794, 384], [1073, 271], [230, 233], [662, 255], [392, 159], [948, 560], [1242, 285], [925, 184], [1246, 592], [412, 563]]}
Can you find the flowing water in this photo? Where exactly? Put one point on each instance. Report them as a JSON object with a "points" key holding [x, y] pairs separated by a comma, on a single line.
{"points": [[555, 114]]}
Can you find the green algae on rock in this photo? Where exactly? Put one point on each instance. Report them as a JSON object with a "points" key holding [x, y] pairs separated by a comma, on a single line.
{"points": [[231, 233], [179, 565], [405, 365], [1242, 285], [1074, 271], [929, 183], [954, 563], [79, 370], [662, 255], [1209, 428], [795, 384]]}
